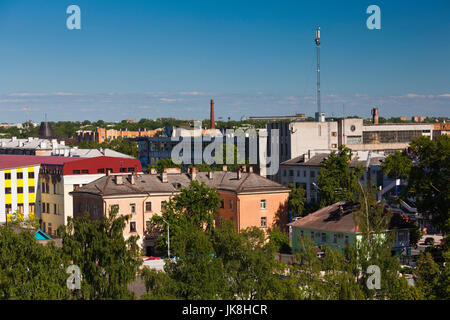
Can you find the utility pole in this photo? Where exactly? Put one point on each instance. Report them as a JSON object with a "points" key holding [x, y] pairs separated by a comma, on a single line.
{"points": [[319, 116], [168, 239]]}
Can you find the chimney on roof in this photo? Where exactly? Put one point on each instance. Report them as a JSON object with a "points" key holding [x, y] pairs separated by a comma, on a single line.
{"points": [[375, 115], [194, 173], [244, 168], [119, 179], [153, 171], [213, 125], [132, 179], [250, 169], [164, 177], [224, 167], [239, 174], [210, 175]]}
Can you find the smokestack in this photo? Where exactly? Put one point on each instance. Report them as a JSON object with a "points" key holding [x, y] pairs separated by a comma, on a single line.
{"points": [[375, 115], [213, 126]]}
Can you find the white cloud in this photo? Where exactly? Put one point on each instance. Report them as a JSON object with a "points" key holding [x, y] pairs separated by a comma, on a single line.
{"points": [[167, 99]]}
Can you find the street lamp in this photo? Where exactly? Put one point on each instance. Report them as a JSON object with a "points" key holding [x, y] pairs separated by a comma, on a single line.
{"points": [[168, 238]]}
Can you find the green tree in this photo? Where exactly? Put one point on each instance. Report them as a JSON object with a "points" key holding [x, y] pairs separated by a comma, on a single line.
{"points": [[197, 204], [30, 270], [337, 181], [107, 261], [397, 165], [166, 163], [280, 241], [297, 201], [123, 146], [429, 179]]}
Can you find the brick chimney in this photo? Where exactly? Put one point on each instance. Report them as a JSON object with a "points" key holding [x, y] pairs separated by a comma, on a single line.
{"points": [[213, 126], [210, 175], [250, 169], [375, 115], [239, 174], [194, 173], [224, 167], [164, 177]]}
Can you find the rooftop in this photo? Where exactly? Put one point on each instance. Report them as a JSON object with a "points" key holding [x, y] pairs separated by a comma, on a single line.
{"points": [[153, 183], [17, 161]]}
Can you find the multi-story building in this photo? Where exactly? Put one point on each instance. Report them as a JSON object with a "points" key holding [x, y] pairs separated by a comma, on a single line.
{"points": [[303, 171], [101, 134], [441, 129], [52, 147], [247, 199], [19, 183], [58, 180], [382, 138], [335, 226]]}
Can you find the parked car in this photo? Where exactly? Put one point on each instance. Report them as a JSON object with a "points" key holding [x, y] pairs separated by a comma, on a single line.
{"points": [[429, 241]]}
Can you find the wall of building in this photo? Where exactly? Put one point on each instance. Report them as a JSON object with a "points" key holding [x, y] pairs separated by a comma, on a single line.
{"points": [[298, 232], [24, 201]]}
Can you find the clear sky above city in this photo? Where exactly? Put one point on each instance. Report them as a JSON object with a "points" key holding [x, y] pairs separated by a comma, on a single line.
{"points": [[134, 59]]}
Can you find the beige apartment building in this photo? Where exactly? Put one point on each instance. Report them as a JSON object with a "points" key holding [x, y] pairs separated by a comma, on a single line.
{"points": [[247, 199]]}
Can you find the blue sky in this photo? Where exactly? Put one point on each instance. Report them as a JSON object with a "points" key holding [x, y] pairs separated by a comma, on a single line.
{"points": [[134, 59]]}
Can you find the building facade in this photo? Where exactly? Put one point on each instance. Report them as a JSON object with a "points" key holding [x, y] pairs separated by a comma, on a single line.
{"points": [[247, 199]]}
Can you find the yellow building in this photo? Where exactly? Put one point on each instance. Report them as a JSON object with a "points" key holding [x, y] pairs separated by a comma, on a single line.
{"points": [[18, 188]]}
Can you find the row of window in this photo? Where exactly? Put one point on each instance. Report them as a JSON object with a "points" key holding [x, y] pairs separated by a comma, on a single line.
{"points": [[20, 208], [323, 236], [46, 188], [103, 170], [19, 190], [19, 175], [46, 208], [312, 173], [262, 204]]}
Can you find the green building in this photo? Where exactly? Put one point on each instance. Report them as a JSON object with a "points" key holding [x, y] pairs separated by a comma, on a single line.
{"points": [[334, 226]]}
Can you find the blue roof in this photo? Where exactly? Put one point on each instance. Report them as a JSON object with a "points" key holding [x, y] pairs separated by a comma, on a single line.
{"points": [[40, 235]]}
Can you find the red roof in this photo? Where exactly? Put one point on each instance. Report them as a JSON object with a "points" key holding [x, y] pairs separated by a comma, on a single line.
{"points": [[17, 161]]}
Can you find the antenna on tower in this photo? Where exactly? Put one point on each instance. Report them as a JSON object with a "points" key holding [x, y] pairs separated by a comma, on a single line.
{"points": [[320, 117]]}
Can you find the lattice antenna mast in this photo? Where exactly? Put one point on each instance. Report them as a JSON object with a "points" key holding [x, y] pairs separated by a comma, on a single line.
{"points": [[317, 41]]}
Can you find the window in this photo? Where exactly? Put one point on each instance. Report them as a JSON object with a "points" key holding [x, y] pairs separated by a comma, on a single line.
{"points": [[324, 237], [263, 205], [31, 175], [85, 171], [76, 186], [148, 226], [312, 173], [54, 209], [20, 207], [304, 174], [54, 188], [80, 207], [148, 206], [335, 237], [263, 222], [301, 233], [19, 175], [132, 208], [30, 189], [130, 169], [334, 145], [47, 188], [312, 234], [222, 204], [7, 176], [291, 173], [163, 205], [115, 208], [230, 203], [49, 228], [94, 208], [346, 239], [334, 134], [43, 207], [132, 226], [7, 190], [123, 170], [43, 188], [87, 207], [8, 208], [284, 172], [298, 173], [101, 170], [76, 171], [20, 190]]}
